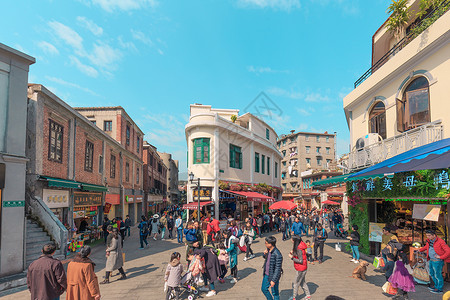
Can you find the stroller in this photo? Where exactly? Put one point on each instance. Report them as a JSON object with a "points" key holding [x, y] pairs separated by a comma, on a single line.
{"points": [[188, 286], [340, 231]]}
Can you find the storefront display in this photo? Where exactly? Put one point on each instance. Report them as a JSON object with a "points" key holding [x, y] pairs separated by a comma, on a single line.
{"points": [[58, 202]]}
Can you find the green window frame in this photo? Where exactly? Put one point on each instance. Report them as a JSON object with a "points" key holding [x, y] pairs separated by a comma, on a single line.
{"points": [[201, 150], [276, 170], [263, 164], [267, 133], [235, 157], [256, 162], [268, 165]]}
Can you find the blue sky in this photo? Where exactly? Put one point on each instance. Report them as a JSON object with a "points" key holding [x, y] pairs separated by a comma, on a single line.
{"points": [[156, 57]]}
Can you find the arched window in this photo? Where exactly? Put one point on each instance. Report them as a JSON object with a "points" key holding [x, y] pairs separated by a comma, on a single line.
{"points": [[377, 119], [413, 109]]}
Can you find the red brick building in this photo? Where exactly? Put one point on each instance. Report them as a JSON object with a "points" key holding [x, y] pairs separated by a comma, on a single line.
{"points": [[155, 179]]}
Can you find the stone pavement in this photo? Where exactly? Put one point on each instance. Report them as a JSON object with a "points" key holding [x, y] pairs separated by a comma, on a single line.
{"points": [[145, 270]]}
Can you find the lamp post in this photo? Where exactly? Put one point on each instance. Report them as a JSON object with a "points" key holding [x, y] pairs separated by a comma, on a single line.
{"points": [[191, 179]]}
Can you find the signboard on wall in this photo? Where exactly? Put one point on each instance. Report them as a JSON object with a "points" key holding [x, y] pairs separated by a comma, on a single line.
{"points": [[55, 198], [426, 212], [107, 208], [205, 194], [78, 214], [86, 199], [376, 232]]}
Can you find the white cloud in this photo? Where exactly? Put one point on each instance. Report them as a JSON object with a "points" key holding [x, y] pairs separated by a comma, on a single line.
{"points": [[140, 36], [126, 45], [88, 70], [90, 25], [124, 5], [70, 84], [302, 127], [305, 112], [286, 5], [48, 48], [285, 93], [160, 52], [316, 97], [68, 35], [260, 70], [104, 56]]}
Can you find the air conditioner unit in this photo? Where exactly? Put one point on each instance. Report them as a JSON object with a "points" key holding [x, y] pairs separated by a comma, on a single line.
{"points": [[367, 140]]}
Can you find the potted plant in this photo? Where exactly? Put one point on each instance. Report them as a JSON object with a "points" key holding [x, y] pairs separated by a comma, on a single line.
{"points": [[233, 118], [396, 24]]}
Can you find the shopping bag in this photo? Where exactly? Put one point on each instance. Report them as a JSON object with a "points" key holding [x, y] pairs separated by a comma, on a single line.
{"points": [[385, 287], [421, 274], [376, 261], [338, 247], [381, 262], [388, 289], [243, 249], [123, 257]]}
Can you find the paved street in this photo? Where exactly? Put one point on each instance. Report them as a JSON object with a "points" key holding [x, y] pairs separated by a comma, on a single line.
{"points": [[145, 270]]}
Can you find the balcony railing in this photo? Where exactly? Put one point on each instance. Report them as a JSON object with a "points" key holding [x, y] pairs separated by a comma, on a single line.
{"points": [[380, 151], [418, 28]]}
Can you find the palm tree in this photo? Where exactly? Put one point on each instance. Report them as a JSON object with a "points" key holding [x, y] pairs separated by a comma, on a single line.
{"points": [[396, 23]]}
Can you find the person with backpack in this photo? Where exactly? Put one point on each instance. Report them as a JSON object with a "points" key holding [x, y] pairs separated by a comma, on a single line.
{"points": [[320, 236], [298, 256], [179, 227], [143, 232], [248, 236]]}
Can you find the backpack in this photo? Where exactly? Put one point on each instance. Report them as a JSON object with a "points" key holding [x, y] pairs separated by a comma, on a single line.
{"points": [[143, 228], [254, 222]]}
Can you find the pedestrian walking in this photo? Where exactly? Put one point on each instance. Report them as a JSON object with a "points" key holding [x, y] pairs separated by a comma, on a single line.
{"points": [[260, 223], [298, 256], [231, 244], [309, 253], [143, 232], [106, 223], [173, 275], [46, 278], [127, 225], [114, 258], [354, 244], [163, 226], [438, 252], [248, 236], [170, 225], [82, 283], [212, 271], [179, 227], [320, 236], [272, 269], [297, 228], [224, 260], [154, 224], [401, 279]]}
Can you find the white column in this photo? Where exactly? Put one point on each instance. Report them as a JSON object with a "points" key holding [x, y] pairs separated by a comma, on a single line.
{"points": [[216, 171], [252, 162]]}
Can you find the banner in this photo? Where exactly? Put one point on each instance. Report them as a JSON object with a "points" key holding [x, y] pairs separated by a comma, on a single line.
{"points": [[426, 212], [376, 232], [107, 208]]}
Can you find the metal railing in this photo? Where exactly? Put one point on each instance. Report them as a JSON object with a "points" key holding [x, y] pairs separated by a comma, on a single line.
{"points": [[445, 5], [380, 151]]}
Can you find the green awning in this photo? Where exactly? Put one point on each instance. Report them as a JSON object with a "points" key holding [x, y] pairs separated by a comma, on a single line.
{"points": [[61, 183], [344, 178], [93, 187]]}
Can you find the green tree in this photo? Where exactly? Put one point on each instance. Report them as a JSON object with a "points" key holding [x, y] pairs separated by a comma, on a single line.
{"points": [[396, 23]]}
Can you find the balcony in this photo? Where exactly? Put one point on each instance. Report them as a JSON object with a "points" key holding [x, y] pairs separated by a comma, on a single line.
{"points": [[416, 30], [378, 152]]}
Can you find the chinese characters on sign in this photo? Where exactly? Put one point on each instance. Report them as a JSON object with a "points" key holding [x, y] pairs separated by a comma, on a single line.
{"points": [[387, 184], [442, 180], [354, 187], [370, 186], [410, 181], [205, 194]]}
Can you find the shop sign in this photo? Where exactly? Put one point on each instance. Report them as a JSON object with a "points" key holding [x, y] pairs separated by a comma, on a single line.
{"points": [[376, 232], [78, 214], [139, 199], [87, 199], [56, 198], [107, 208], [426, 212], [129, 199], [205, 194], [431, 201]]}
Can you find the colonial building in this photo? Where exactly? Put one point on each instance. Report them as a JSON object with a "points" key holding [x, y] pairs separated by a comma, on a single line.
{"points": [[172, 179], [116, 123], [231, 154], [14, 66], [155, 179]]}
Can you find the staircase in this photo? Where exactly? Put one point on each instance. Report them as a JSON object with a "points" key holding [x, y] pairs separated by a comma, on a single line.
{"points": [[36, 238]]}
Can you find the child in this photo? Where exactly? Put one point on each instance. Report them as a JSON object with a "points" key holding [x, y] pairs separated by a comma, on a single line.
{"points": [[389, 267], [173, 275], [223, 260], [309, 252], [401, 279]]}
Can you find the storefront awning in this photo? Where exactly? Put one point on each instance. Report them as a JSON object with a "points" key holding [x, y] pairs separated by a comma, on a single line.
{"points": [[194, 205], [329, 202], [113, 199], [61, 183], [254, 196], [93, 187], [343, 178], [431, 156]]}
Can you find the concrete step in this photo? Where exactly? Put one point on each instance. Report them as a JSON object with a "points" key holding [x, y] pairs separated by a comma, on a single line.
{"points": [[34, 248], [42, 239], [36, 234], [32, 225], [34, 229]]}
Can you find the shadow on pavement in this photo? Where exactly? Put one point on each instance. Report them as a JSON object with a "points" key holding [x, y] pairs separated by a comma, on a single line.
{"points": [[245, 272]]}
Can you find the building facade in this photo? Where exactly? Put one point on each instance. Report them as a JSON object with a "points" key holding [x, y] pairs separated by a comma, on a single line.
{"points": [[155, 180], [14, 67], [128, 198], [226, 147], [303, 151], [173, 194]]}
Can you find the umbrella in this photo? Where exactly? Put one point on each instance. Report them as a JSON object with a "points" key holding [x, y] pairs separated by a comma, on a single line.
{"points": [[330, 202], [283, 205]]}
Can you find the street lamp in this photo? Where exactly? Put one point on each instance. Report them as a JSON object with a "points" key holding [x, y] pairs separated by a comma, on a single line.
{"points": [[191, 179]]}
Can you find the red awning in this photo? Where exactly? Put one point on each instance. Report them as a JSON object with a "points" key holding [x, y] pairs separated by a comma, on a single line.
{"points": [[330, 202], [114, 199], [283, 205], [194, 205], [254, 196]]}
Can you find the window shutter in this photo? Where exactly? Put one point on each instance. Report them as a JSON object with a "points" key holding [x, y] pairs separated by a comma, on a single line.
{"points": [[400, 115], [240, 160], [231, 156]]}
